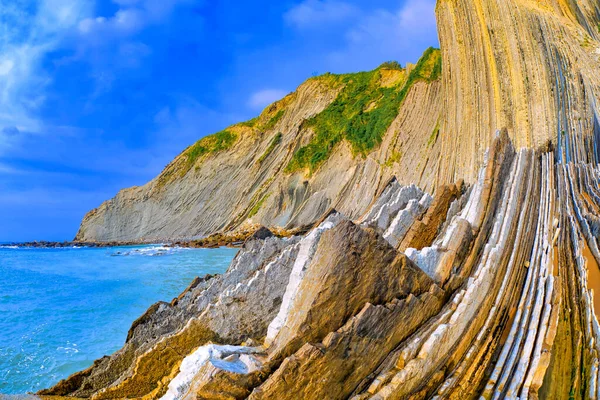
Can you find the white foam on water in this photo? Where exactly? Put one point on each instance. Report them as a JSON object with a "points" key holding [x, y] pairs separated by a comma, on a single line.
{"points": [[152, 251]]}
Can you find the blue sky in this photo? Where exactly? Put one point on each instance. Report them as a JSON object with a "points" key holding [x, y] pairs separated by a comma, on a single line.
{"points": [[100, 95]]}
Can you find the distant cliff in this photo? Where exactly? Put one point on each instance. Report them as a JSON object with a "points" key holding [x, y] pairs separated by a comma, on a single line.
{"points": [[333, 143]]}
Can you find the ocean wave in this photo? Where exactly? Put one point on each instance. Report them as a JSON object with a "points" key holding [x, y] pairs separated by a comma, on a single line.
{"points": [[152, 251], [9, 247]]}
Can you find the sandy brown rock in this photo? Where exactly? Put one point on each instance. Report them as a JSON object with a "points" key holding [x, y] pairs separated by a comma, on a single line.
{"points": [[332, 369], [495, 292], [351, 267], [423, 232], [530, 66]]}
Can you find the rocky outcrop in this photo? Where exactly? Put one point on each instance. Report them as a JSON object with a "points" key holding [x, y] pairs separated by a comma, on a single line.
{"points": [[499, 303], [530, 66], [482, 288]]}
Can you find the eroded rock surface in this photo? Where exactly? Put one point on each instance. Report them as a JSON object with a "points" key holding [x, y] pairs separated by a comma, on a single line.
{"points": [[483, 288]]}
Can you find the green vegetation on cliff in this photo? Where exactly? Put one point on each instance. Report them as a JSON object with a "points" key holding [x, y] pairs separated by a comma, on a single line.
{"points": [[362, 112], [274, 142], [207, 145], [365, 107], [274, 120]]}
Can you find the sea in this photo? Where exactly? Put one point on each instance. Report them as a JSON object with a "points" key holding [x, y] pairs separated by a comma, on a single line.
{"points": [[62, 308]]}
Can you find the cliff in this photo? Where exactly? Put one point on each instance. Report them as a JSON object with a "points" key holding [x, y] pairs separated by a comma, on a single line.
{"points": [[482, 288], [486, 290], [530, 66], [333, 143]]}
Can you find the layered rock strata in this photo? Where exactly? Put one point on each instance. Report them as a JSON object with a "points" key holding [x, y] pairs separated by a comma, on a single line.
{"points": [[288, 167], [528, 65], [498, 302], [483, 283]]}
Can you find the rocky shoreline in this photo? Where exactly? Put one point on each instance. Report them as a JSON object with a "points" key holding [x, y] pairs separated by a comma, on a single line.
{"points": [[231, 239], [482, 288], [43, 244], [422, 296]]}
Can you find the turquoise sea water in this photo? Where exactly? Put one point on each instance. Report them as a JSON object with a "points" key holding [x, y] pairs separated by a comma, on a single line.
{"points": [[60, 309]]}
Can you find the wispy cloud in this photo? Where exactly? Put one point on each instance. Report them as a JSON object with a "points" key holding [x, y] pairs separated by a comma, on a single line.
{"points": [[28, 32], [131, 17], [32, 30], [264, 97], [311, 13]]}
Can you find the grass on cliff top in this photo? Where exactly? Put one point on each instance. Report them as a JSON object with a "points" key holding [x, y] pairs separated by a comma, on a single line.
{"points": [[224, 140], [209, 144], [362, 111]]}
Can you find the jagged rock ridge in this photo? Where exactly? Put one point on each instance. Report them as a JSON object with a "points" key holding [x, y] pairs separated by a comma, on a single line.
{"points": [[479, 289], [498, 302]]}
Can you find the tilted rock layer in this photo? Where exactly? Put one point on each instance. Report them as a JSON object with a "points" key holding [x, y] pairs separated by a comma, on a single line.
{"points": [[481, 283], [530, 66], [498, 302], [291, 165]]}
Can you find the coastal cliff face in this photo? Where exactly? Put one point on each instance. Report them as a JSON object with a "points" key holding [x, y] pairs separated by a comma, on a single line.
{"points": [[334, 143], [482, 288], [530, 66]]}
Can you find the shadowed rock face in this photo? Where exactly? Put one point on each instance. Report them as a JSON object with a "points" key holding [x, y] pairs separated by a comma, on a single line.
{"points": [[484, 289]]}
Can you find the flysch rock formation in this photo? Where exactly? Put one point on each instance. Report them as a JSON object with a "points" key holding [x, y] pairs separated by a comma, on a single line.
{"points": [[497, 303], [530, 66], [452, 249]]}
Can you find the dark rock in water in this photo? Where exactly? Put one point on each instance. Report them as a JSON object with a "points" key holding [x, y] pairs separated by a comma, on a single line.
{"points": [[43, 244], [261, 234]]}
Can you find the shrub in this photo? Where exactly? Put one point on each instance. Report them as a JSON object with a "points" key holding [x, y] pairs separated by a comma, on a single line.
{"points": [[391, 65]]}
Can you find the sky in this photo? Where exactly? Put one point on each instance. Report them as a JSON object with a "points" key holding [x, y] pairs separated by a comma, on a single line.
{"points": [[99, 95]]}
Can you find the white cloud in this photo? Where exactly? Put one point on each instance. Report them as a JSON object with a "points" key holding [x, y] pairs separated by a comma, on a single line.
{"points": [[311, 13], [131, 17], [263, 98], [417, 16], [383, 35], [6, 66], [28, 32], [31, 29], [99, 36], [124, 22]]}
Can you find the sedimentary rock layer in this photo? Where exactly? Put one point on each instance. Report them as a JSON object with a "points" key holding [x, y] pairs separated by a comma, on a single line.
{"points": [[498, 302], [528, 65], [412, 283], [290, 166]]}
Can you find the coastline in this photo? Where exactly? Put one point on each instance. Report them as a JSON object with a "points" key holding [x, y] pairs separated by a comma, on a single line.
{"points": [[233, 239]]}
